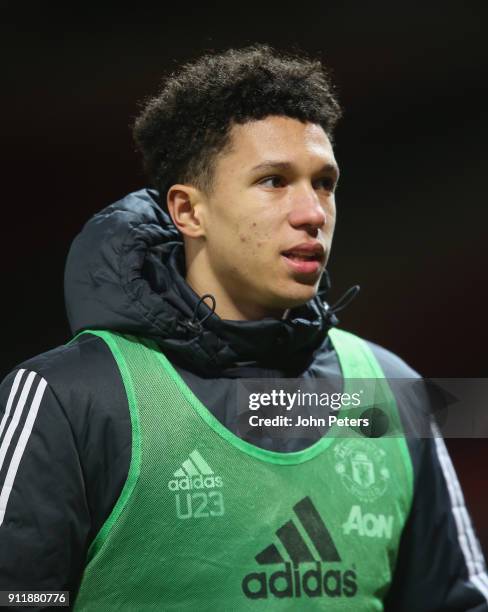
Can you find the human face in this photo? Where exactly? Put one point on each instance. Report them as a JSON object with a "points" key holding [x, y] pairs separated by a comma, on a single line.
{"points": [[270, 216]]}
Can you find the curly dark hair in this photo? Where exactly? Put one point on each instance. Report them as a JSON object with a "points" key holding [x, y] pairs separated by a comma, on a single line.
{"points": [[181, 130]]}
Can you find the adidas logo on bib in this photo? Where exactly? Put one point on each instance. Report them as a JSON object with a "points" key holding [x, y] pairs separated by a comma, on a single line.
{"points": [[196, 488], [304, 544], [194, 473]]}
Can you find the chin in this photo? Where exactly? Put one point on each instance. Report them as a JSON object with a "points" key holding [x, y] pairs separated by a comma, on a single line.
{"points": [[296, 298]]}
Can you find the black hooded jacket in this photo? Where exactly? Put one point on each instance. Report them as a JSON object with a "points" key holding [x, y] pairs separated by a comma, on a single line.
{"points": [[65, 430]]}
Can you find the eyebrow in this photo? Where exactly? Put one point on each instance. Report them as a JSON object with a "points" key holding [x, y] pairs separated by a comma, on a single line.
{"points": [[284, 165]]}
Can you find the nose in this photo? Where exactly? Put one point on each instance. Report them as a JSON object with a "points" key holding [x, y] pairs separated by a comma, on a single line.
{"points": [[307, 209]]}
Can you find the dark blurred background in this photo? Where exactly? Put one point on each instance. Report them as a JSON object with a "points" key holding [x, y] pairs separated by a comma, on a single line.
{"points": [[412, 205]]}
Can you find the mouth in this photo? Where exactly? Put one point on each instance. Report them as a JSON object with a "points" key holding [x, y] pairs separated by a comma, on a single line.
{"points": [[307, 258]]}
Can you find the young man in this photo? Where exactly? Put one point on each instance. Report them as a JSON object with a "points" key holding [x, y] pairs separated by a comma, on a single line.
{"points": [[127, 475]]}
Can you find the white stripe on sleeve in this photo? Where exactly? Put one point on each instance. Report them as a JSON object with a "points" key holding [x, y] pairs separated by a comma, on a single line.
{"points": [[13, 391], [16, 417], [21, 442], [468, 542]]}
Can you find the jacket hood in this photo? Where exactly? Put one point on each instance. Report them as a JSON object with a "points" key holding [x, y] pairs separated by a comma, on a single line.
{"points": [[125, 272]]}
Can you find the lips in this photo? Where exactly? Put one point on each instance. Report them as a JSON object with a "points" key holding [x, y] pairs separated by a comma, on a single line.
{"points": [[306, 249], [305, 258]]}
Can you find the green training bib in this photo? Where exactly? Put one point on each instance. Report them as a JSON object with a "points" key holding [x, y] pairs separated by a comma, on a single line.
{"points": [[209, 522]]}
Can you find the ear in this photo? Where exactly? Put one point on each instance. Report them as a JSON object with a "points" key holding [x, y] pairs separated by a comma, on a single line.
{"points": [[185, 207]]}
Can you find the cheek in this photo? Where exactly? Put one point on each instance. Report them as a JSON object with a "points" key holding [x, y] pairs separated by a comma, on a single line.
{"points": [[255, 244], [247, 256], [332, 213], [240, 238], [330, 226]]}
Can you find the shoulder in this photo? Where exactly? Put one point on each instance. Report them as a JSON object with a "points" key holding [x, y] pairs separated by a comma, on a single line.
{"points": [[78, 383], [77, 364], [83, 376], [410, 391], [74, 403], [81, 389], [392, 364]]}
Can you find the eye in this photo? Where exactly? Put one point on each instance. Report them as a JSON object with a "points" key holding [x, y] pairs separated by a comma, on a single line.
{"points": [[274, 181], [326, 182]]}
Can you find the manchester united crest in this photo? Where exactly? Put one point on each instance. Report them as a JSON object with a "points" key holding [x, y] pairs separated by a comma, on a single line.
{"points": [[361, 467]]}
